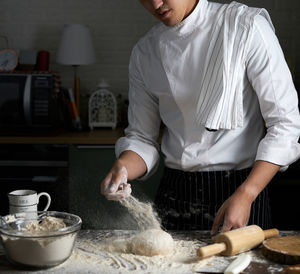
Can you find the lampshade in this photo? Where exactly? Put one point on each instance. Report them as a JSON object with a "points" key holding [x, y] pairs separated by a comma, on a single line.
{"points": [[76, 47]]}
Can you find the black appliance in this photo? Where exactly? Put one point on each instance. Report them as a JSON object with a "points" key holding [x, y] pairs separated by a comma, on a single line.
{"points": [[27, 101], [43, 168]]}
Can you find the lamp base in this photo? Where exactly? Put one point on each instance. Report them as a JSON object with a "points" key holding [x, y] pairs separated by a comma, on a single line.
{"points": [[77, 93]]}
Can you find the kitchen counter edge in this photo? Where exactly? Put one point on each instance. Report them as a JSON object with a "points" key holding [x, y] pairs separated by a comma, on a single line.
{"points": [[93, 137]]}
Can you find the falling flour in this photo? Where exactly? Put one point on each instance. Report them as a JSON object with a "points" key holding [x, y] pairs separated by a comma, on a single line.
{"points": [[143, 213], [152, 240]]}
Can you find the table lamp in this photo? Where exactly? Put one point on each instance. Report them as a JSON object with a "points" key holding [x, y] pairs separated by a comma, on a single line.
{"points": [[75, 49]]}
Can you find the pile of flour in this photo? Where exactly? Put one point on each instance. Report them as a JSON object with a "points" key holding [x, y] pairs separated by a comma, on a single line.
{"points": [[147, 250], [47, 224], [95, 255]]}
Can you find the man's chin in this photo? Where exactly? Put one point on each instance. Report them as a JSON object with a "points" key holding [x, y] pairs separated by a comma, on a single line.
{"points": [[170, 23]]}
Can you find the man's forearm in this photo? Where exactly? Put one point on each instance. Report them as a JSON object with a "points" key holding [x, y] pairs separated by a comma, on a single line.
{"points": [[259, 177], [134, 164]]}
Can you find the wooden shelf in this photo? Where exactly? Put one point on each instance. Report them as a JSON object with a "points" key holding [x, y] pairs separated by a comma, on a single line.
{"points": [[95, 137]]}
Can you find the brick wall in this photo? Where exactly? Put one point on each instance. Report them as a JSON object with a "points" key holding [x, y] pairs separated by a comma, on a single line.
{"points": [[115, 25]]}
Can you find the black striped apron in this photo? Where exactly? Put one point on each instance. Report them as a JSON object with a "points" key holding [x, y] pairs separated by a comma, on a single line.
{"points": [[190, 200]]}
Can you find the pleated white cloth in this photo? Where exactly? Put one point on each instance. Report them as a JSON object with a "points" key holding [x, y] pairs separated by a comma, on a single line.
{"points": [[220, 100]]}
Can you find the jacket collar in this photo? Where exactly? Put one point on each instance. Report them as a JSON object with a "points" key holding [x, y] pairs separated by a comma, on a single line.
{"points": [[195, 19]]}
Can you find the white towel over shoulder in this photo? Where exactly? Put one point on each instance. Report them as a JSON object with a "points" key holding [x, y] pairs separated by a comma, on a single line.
{"points": [[220, 100]]}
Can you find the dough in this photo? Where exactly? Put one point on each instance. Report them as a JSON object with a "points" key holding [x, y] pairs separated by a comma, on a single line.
{"points": [[152, 242]]}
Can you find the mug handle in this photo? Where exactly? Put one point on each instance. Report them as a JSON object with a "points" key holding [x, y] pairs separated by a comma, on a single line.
{"points": [[48, 197]]}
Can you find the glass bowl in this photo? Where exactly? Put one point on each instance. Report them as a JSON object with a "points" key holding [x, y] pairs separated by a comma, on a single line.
{"points": [[38, 249]]}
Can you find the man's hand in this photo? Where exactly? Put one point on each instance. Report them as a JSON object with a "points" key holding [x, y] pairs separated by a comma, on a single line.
{"points": [[128, 166], [115, 186], [234, 212]]}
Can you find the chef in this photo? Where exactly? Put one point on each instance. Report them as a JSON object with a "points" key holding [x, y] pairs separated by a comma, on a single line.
{"points": [[215, 76]]}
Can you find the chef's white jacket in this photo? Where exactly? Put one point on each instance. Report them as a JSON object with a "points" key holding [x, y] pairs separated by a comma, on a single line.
{"points": [[271, 121]]}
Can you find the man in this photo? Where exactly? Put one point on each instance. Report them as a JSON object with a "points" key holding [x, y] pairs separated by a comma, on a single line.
{"points": [[216, 76]]}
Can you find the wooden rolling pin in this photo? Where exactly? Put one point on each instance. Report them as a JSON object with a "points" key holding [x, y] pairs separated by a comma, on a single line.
{"points": [[237, 241]]}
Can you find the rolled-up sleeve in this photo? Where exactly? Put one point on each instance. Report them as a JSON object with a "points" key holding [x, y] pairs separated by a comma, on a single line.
{"points": [[143, 119], [271, 79]]}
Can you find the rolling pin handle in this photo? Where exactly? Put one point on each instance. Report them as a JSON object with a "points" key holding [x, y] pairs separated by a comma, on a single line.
{"points": [[269, 233], [210, 250]]}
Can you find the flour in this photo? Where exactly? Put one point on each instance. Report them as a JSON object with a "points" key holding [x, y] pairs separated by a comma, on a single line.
{"points": [[143, 213], [48, 224], [107, 252], [148, 250], [152, 240], [113, 255], [40, 250]]}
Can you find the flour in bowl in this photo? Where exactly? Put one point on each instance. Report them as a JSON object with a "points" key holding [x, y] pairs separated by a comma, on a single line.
{"points": [[48, 224], [37, 247]]}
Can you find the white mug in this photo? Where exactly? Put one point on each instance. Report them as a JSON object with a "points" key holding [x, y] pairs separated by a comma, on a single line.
{"points": [[26, 200]]}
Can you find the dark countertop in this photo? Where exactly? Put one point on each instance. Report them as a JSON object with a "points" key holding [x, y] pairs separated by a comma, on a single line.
{"points": [[89, 256]]}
